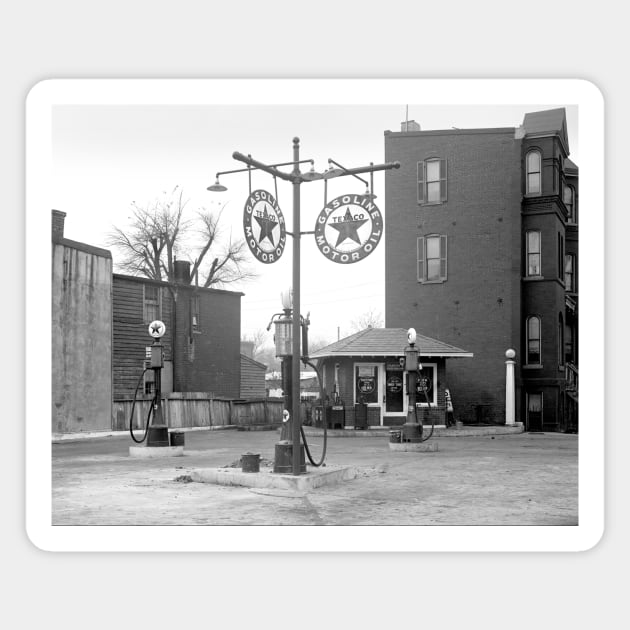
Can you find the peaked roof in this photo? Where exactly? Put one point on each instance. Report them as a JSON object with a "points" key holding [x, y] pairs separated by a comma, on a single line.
{"points": [[247, 359], [547, 122], [382, 342]]}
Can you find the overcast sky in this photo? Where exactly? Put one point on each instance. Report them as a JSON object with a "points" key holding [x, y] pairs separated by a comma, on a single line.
{"points": [[106, 156]]}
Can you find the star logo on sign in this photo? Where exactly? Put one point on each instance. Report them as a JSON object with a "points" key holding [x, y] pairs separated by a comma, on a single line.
{"points": [[267, 224], [157, 328], [347, 228]]}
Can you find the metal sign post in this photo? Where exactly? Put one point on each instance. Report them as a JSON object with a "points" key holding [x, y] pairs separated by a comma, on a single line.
{"points": [[345, 228]]}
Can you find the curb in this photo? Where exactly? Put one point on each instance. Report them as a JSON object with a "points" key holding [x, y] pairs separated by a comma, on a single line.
{"points": [[90, 435], [268, 479]]}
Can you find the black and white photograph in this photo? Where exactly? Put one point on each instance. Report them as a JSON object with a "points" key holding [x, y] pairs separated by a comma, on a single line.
{"points": [[315, 315], [338, 306]]}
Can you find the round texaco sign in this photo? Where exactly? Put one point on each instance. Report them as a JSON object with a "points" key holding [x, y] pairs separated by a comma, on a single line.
{"points": [[263, 223], [348, 228], [157, 329]]}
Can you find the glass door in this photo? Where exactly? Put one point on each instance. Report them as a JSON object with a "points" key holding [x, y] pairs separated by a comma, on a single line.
{"points": [[368, 385], [394, 390]]}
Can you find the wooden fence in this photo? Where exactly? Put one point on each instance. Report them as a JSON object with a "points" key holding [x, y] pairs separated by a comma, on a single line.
{"points": [[198, 409]]}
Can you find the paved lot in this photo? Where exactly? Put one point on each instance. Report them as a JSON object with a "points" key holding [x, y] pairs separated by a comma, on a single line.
{"points": [[524, 479]]}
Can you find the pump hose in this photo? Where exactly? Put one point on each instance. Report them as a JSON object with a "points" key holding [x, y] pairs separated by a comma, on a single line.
{"points": [[426, 397], [321, 396], [133, 405]]}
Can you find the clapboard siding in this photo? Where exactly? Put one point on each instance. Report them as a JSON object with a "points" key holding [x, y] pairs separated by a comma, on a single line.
{"points": [[252, 378], [204, 360]]}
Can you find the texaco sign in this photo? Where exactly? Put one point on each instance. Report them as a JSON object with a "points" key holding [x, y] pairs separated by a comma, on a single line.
{"points": [[263, 223], [348, 228]]}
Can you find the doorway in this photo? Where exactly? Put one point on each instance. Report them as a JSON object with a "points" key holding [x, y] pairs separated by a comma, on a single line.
{"points": [[535, 411]]}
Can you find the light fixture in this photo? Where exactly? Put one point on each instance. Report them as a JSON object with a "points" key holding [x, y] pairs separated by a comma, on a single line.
{"points": [[286, 298], [283, 337], [217, 186], [333, 172], [312, 175]]}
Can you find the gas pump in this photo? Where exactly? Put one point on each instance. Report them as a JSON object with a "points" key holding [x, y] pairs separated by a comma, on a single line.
{"points": [[412, 429], [155, 432]]}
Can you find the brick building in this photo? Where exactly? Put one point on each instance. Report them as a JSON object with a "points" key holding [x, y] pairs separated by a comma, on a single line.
{"points": [[481, 245], [202, 340]]}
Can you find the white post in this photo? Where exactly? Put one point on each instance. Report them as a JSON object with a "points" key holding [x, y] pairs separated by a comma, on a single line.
{"points": [[510, 396]]}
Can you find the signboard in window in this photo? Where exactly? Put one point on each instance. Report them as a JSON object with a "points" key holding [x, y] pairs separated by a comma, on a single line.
{"points": [[366, 383], [424, 386]]}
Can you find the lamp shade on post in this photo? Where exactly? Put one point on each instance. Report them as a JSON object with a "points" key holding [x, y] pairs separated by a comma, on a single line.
{"points": [[283, 336]]}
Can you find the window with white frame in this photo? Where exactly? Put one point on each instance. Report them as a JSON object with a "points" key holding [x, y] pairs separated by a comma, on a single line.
{"points": [[432, 258], [533, 340], [533, 173], [533, 253], [426, 385], [432, 181]]}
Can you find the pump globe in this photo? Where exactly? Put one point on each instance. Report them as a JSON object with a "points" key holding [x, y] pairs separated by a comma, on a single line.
{"points": [[411, 335]]}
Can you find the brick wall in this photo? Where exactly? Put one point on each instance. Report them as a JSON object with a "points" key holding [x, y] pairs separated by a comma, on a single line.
{"points": [[478, 307], [209, 360]]}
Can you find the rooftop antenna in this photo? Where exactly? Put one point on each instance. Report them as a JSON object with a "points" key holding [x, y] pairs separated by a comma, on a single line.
{"points": [[406, 117]]}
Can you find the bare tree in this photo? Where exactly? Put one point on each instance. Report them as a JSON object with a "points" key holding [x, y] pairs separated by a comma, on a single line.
{"points": [[369, 319], [258, 340], [159, 233]]}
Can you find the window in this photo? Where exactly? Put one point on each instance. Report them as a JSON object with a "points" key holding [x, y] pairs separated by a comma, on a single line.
{"points": [[568, 344], [432, 181], [533, 340], [560, 340], [569, 273], [533, 253], [152, 309], [560, 256], [425, 385], [568, 196], [194, 313], [432, 258], [533, 180]]}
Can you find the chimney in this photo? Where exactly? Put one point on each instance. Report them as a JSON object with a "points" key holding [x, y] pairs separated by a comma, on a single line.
{"points": [[181, 269], [409, 125], [58, 219]]}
